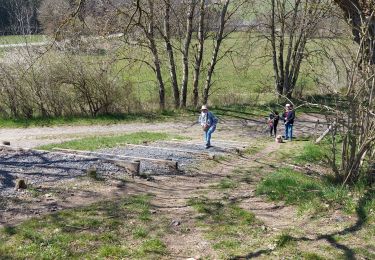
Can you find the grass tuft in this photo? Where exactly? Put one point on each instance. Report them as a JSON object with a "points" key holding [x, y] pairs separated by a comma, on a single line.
{"points": [[100, 142], [101, 230], [309, 193], [312, 153]]}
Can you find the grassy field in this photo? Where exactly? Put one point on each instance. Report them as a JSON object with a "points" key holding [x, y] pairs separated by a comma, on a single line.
{"points": [[146, 117], [100, 142], [15, 39], [94, 232]]}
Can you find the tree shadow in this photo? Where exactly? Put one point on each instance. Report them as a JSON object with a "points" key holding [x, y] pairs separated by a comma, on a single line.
{"points": [[348, 252]]}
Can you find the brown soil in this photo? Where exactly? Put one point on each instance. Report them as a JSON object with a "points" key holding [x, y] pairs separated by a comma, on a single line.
{"points": [[171, 194]]}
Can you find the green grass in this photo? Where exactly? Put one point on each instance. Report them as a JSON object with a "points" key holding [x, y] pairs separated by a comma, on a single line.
{"points": [[231, 229], [227, 183], [102, 230], [99, 120], [307, 152], [284, 239], [99, 142], [16, 39], [306, 192], [313, 153]]}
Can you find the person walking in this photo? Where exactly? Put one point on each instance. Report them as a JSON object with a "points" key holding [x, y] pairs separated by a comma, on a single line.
{"points": [[273, 121], [289, 116], [208, 122]]}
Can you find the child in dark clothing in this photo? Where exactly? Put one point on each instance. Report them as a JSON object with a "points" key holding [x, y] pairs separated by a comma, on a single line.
{"points": [[273, 121]]}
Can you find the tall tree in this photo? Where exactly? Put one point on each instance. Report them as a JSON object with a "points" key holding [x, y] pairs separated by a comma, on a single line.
{"points": [[292, 24], [361, 16], [185, 51], [200, 51]]}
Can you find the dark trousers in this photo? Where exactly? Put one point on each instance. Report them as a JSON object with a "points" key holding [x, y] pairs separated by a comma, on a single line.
{"points": [[273, 129]]}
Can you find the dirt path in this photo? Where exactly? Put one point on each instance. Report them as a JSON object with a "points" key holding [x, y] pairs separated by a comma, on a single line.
{"points": [[171, 193]]}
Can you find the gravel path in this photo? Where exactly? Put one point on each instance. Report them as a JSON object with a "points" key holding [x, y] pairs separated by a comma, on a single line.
{"points": [[37, 168]]}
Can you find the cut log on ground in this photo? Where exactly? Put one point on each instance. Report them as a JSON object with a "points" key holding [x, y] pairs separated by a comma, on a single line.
{"points": [[169, 163], [196, 153]]}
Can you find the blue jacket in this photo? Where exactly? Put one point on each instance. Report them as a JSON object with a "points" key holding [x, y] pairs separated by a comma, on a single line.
{"points": [[290, 117], [210, 119]]}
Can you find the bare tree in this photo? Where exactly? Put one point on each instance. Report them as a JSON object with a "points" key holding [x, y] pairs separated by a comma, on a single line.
{"points": [[200, 51], [185, 51], [169, 48], [292, 24]]}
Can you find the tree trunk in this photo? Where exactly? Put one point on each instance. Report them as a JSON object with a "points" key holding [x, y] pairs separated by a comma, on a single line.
{"points": [[185, 52], [360, 15], [150, 33], [279, 87], [169, 48], [199, 56], [219, 39]]}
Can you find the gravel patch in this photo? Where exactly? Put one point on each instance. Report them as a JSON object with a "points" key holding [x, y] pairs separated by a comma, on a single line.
{"points": [[183, 159], [44, 167]]}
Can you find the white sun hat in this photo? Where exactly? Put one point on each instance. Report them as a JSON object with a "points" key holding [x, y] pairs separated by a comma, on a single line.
{"points": [[204, 107]]}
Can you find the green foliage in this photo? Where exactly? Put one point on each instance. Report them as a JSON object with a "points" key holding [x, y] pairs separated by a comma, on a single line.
{"points": [[102, 230], [227, 184], [99, 142], [153, 246], [298, 189], [290, 186], [312, 256], [284, 239], [313, 153], [226, 225]]}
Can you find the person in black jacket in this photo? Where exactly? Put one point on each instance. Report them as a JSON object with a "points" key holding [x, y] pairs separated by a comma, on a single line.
{"points": [[273, 121], [289, 121]]}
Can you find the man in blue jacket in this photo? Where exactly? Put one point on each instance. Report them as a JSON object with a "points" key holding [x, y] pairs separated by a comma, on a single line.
{"points": [[289, 121], [208, 122]]}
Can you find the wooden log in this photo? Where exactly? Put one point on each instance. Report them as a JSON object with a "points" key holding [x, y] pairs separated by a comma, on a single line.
{"points": [[132, 167], [325, 133], [205, 155], [169, 163]]}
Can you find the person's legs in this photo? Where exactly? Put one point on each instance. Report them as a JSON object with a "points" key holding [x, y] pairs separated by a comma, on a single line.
{"points": [[209, 133], [286, 132], [275, 129], [271, 129], [205, 136], [291, 132]]}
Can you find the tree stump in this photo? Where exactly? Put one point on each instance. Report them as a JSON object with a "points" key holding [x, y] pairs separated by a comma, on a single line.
{"points": [[92, 172], [20, 184]]}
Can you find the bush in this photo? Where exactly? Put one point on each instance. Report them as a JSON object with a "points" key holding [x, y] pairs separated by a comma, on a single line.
{"points": [[63, 85]]}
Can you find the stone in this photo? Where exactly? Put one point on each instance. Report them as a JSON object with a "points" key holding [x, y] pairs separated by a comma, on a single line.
{"points": [[175, 223], [6, 143], [20, 184]]}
